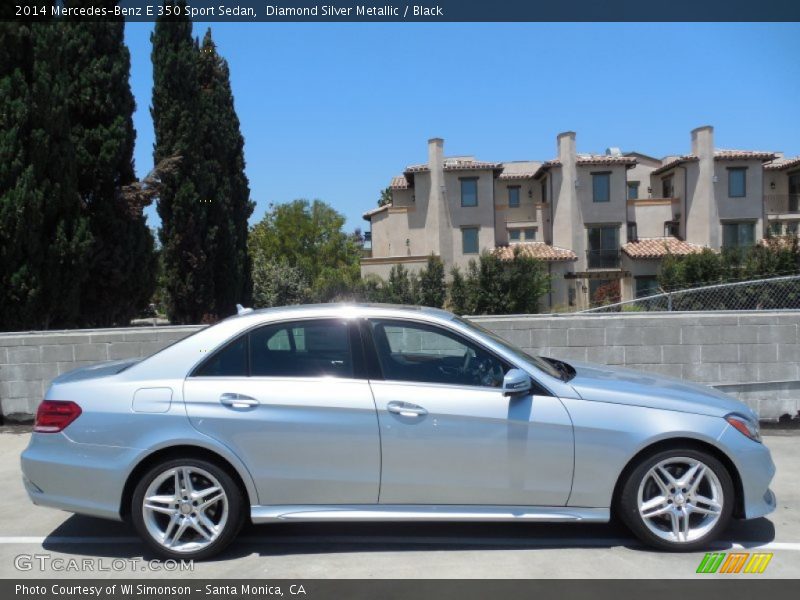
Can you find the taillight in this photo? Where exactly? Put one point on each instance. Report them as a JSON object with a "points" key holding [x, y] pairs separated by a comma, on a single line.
{"points": [[54, 415]]}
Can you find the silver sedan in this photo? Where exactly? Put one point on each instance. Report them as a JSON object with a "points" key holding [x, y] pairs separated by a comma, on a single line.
{"points": [[381, 413]]}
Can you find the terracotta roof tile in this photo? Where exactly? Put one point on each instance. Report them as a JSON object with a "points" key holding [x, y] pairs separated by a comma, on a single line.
{"points": [[538, 250], [660, 247], [596, 159], [782, 163], [399, 183], [718, 155], [368, 215], [519, 170], [463, 164]]}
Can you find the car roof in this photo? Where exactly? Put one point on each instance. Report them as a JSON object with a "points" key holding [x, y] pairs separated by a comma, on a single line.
{"points": [[344, 308]]}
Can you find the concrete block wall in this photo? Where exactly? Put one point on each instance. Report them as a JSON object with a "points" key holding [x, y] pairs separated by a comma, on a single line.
{"points": [[30, 360], [751, 355]]}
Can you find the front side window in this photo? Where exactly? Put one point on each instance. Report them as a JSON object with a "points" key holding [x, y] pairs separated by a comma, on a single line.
{"points": [[632, 234], [513, 235], [530, 234], [737, 182], [423, 353], [469, 240], [601, 187], [513, 197], [738, 235], [671, 228], [316, 348], [469, 192], [544, 191], [633, 190]]}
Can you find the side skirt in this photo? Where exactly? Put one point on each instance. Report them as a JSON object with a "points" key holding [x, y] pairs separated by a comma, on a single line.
{"points": [[420, 512]]}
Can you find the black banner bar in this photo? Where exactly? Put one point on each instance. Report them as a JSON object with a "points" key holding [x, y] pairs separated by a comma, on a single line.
{"points": [[439, 11], [390, 589]]}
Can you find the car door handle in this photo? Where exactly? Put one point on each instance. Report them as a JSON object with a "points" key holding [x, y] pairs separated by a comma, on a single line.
{"points": [[238, 400], [405, 409]]}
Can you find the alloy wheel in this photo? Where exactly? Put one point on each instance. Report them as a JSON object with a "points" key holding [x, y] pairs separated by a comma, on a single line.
{"points": [[680, 499], [185, 509]]}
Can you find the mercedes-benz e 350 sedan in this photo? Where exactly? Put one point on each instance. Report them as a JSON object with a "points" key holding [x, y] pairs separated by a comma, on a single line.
{"points": [[381, 413]]}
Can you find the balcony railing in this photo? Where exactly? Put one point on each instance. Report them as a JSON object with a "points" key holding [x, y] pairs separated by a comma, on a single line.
{"points": [[605, 258], [782, 204]]}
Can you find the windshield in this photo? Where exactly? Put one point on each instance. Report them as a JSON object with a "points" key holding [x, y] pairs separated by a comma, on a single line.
{"points": [[537, 361]]}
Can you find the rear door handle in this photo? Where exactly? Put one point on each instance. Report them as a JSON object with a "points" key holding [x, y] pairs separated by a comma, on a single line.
{"points": [[238, 400], [406, 409]]}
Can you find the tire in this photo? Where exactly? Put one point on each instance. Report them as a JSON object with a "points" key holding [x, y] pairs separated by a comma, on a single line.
{"points": [[686, 510], [200, 521]]}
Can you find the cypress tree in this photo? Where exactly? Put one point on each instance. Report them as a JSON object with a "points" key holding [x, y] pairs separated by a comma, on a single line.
{"points": [[223, 183], [44, 235], [122, 262], [186, 234]]}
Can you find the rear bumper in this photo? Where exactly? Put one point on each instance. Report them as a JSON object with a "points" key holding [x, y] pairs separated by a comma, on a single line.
{"points": [[81, 478]]}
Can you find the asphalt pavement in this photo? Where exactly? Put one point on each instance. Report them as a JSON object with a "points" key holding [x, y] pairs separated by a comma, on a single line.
{"points": [[38, 542]]}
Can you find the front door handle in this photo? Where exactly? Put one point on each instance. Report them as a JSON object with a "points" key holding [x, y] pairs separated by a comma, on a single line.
{"points": [[238, 400], [406, 409]]}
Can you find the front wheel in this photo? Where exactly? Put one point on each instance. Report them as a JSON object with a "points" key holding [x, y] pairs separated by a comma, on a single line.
{"points": [[187, 509], [677, 500]]}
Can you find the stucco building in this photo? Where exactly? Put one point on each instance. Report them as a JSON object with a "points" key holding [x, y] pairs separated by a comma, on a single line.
{"points": [[601, 223]]}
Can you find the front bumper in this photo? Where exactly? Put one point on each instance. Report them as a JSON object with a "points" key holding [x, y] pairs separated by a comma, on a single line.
{"points": [[81, 478], [754, 463]]}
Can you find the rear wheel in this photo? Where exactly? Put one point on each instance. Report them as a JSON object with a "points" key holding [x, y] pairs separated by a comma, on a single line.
{"points": [[187, 508], [677, 499]]}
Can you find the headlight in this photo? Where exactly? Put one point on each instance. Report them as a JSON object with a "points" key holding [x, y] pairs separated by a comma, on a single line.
{"points": [[745, 426]]}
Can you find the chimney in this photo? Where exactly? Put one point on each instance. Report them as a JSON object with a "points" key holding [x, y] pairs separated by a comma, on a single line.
{"points": [[565, 198], [437, 224], [703, 142], [702, 215]]}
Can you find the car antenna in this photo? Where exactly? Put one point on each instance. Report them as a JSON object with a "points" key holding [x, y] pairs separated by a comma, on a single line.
{"points": [[241, 310]]}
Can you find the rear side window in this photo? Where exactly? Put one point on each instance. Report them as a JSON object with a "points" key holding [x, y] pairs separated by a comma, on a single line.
{"points": [[231, 361], [318, 348]]}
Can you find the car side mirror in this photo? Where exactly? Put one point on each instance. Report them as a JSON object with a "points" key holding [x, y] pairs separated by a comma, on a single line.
{"points": [[516, 382]]}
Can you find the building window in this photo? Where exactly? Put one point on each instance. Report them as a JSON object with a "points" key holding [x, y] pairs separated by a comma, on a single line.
{"points": [[737, 182], [667, 187], [603, 252], [513, 197], [632, 236], [469, 192], [530, 234], [671, 229], [738, 235], [469, 240], [601, 187], [513, 235], [633, 190], [646, 286], [544, 191], [776, 228]]}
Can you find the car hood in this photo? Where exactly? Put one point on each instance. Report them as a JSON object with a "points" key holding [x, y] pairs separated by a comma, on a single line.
{"points": [[626, 386], [103, 369]]}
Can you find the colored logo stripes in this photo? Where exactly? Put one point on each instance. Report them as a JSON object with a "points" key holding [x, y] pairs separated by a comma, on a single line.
{"points": [[734, 562]]}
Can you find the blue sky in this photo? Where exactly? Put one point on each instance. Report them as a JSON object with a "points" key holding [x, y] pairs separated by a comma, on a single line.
{"points": [[333, 111]]}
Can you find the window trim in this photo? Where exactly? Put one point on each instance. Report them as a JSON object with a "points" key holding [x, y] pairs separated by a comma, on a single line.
{"points": [[743, 171], [607, 174], [461, 181], [455, 333]]}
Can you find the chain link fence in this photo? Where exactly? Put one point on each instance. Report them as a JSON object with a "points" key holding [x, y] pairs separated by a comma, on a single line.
{"points": [[775, 293]]}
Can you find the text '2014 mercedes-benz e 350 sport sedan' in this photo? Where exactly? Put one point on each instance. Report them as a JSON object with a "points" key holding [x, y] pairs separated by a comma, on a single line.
{"points": [[384, 413]]}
